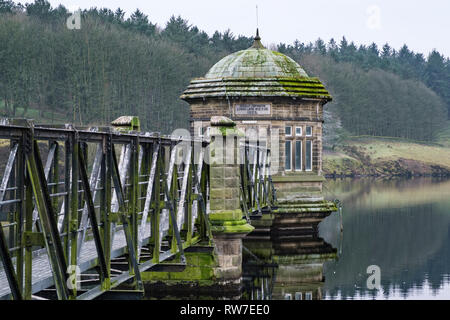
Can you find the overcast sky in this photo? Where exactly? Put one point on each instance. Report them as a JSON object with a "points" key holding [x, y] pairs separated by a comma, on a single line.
{"points": [[422, 25]]}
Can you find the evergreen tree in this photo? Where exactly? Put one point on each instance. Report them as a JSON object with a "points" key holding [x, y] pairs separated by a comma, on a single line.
{"points": [[114, 66], [6, 6]]}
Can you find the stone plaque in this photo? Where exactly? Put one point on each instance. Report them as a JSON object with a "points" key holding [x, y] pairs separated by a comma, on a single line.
{"points": [[251, 109]]}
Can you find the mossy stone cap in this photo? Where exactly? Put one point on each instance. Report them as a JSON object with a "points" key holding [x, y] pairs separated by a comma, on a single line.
{"points": [[221, 121], [256, 72], [127, 123]]}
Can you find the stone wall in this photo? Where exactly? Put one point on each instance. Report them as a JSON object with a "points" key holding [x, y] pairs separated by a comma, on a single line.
{"points": [[284, 112], [282, 108]]}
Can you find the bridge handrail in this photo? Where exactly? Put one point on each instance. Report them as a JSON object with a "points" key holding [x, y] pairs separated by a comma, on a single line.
{"points": [[28, 167]]}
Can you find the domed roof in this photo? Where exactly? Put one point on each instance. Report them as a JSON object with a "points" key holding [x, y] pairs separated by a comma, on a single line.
{"points": [[256, 62], [256, 72]]}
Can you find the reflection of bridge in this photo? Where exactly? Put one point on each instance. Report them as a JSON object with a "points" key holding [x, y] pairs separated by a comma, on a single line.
{"points": [[80, 238]]}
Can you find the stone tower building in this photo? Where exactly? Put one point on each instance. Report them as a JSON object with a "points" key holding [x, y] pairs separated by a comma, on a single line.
{"points": [[271, 98]]}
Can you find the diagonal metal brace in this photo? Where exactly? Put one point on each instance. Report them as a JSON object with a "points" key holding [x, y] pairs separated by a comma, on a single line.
{"points": [[92, 216], [124, 219], [202, 206], [4, 252], [49, 225], [9, 267], [175, 224]]}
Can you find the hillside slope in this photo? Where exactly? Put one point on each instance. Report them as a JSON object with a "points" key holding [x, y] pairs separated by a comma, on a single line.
{"points": [[387, 157]]}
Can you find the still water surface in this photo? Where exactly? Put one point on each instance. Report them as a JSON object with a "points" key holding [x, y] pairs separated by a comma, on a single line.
{"points": [[399, 225]]}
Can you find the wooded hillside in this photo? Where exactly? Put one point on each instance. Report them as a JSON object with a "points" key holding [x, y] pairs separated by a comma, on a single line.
{"points": [[114, 66]]}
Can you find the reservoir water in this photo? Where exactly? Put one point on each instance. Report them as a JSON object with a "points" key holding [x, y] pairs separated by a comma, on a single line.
{"points": [[398, 226]]}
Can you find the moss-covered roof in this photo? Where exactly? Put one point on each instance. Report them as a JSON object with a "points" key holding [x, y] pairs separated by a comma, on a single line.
{"points": [[256, 87], [255, 62], [256, 72]]}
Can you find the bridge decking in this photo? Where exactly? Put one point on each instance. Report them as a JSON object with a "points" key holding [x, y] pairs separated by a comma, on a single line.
{"points": [[42, 276], [157, 184]]}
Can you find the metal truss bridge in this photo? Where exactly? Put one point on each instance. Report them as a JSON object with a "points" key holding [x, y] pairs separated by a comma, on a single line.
{"points": [[85, 209]]}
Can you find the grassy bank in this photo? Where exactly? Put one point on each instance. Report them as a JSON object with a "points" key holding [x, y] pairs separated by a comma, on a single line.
{"points": [[386, 156], [41, 116]]}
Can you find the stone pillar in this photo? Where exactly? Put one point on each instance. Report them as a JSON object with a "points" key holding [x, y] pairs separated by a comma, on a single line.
{"points": [[226, 217], [127, 123]]}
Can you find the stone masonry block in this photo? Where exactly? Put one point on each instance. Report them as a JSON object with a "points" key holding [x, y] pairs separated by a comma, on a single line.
{"points": [[222, 193], [218, 183], [232, 172], [231, 182], [231, 204], [217, 172], [217, 204]]}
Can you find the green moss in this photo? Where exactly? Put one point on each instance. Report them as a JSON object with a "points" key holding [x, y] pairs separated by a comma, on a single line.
{"points": [[274, 86], [235, 225], [254, 58], [199, 268], [257, 72], [127, 123], [309, 204], [286, 64], [224, 215], [306, 258], [244, 228], [231, 223], [304, 210], [260, 223], [262, 253], [258, 60], [227, 131]]}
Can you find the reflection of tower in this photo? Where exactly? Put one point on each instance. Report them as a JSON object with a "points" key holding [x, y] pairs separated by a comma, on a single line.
{"points": [[287, 268]]}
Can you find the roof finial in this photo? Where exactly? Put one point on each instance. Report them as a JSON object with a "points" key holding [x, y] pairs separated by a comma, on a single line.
{"points": [[257, 43], [257, 35]]}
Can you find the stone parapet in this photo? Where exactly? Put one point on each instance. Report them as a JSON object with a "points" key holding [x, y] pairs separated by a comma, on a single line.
{"points": [[227, 224]]}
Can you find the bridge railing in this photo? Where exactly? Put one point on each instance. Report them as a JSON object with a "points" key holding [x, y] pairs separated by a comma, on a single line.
{"points": [[257, 189], [84, 207]]}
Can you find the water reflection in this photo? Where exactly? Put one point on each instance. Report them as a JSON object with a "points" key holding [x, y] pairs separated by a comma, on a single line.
{"points": [[285, 268], [401, 225]]}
